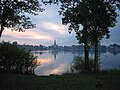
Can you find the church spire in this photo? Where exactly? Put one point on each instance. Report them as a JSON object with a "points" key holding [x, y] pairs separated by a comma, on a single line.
{"points": [[55, 42], [54, 46]]}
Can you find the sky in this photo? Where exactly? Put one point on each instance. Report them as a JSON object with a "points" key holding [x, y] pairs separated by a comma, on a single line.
{"points": [[49, 28]]}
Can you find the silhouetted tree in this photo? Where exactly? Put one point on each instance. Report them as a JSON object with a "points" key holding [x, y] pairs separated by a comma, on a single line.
{"points": [[14, 59], [13, 14], [96, 17], [76, 14], [103, 16]]}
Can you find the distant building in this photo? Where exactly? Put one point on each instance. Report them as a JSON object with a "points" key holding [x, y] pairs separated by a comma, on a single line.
{"points": [[54, 46]]}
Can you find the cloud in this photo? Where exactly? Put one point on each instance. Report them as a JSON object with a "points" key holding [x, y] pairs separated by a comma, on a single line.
{"points": [[28, 35], [53, 28]]}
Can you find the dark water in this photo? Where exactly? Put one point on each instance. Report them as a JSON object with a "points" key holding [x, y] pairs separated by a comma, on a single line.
{"points": [[58, 62]]}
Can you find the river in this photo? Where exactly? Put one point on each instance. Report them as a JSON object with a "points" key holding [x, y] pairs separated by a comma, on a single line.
{"points": [[58, 62]]}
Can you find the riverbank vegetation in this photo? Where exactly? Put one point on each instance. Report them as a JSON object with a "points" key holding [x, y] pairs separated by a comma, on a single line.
{"points": [[16, 60], [78, 65]]}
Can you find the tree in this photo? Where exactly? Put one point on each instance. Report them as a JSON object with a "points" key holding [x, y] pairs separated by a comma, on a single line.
{"points": [[12, 14], [14, 59], [103, 17], [76, 14], [96, 17]]}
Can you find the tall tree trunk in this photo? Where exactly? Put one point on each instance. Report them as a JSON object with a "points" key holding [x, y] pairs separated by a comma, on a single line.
{"points": [[86, 50], [1, 30], [3, 18], [86, 53], [96, 56]]}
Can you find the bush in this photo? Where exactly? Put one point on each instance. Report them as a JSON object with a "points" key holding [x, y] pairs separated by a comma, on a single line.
{"points": [[14, 59], [78, 65]]}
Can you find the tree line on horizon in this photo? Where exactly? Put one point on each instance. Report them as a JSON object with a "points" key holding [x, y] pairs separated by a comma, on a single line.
{"points": [[96, 17], [102, 48]]}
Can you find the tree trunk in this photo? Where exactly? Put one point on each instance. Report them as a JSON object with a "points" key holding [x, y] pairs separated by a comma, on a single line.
{"points": [[1, 30], [86, 53], [86, 50], [3, 18], [96, 56]]}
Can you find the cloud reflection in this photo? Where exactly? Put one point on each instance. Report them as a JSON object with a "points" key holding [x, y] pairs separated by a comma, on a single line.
{"points": [[59, 70], [45, 60], [50, 69]]}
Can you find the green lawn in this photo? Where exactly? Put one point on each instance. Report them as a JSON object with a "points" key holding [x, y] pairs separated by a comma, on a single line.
{"points": [[84, 81]]}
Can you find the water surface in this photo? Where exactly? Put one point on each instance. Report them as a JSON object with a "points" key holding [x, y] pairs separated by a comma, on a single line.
{"points": [[58, 62]]}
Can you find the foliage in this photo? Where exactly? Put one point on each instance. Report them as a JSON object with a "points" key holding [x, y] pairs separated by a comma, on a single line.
{"points": [[78, 65], [13, 14], [74, 15], [96, 17], [103, 15], [14, 59]]}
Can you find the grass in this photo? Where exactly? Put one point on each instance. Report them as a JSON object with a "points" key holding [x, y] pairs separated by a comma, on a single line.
{"points": [[84, 81]]}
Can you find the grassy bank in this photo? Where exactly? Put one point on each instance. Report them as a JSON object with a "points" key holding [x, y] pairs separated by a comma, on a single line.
{"points": [[111, 81]]}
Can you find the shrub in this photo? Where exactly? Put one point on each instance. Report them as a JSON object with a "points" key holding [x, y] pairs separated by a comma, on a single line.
{"points": [[78, 65], [14, 59]]}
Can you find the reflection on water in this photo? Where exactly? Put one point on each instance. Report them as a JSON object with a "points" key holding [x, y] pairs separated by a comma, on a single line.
{"points": [[58, 62], [45, 60]]}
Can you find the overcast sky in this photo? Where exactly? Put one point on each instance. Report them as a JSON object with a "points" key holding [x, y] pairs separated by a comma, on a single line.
{"points": [[49, 28]]}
